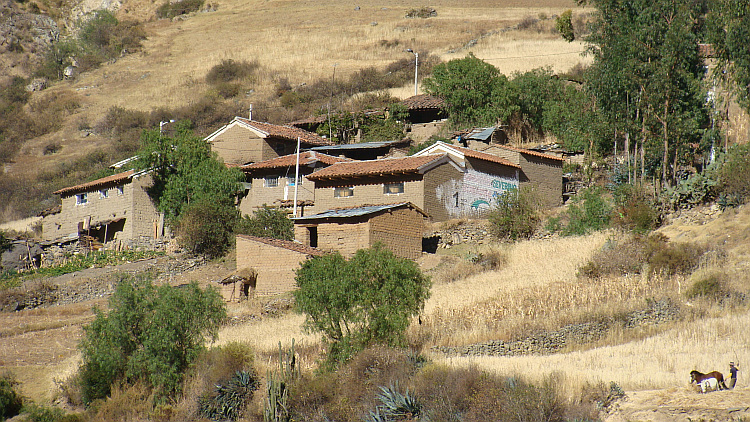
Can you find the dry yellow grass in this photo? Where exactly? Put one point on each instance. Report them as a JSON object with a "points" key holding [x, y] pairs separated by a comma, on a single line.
{"points": [[300, 41], [658, 362]]}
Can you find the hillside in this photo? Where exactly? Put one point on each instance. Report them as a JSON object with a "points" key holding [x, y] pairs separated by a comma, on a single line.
{"points": [[294, 43], [650, 362]]}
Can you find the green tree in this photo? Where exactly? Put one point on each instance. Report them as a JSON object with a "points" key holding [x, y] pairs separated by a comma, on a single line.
{"points": [[206, 228], [365, 300], [267, 222], [516, 214], [647, 75], [185, 171], [728, 32], [564, 25], [151, 334], [476, 92]]}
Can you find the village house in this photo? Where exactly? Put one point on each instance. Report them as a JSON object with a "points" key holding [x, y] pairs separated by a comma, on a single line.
{"points": [[427, 116], [544, 171], [273, 261], [398, 227], [244, 141], [439, 184], [115, 207], [272, 182]]}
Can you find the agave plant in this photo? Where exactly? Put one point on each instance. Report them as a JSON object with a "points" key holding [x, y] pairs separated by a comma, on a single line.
{"points": [[229, 398], [395, 406]]}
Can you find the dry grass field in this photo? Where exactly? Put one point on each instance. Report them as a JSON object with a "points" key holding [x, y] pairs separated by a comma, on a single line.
{"points": [[301, 41]]}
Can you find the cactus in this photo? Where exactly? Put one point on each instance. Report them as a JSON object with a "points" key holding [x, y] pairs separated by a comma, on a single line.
{"points": [[276, 408]]}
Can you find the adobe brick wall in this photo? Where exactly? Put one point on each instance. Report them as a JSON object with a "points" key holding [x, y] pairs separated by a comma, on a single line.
{"points": [[275, 266], [259, 194], [344, 238], [239, 145], [368, 191], [437, 203], [546, 175], [400, 230], [134, 205]]}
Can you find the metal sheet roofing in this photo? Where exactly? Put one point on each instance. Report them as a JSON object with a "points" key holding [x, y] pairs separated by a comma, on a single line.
{"points": [[357, 211]]}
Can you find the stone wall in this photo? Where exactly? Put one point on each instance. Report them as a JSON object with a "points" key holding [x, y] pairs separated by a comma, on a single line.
{"points": [[548, 342]]}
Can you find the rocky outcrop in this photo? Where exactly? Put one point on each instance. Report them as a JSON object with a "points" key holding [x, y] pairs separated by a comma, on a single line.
{"points": [[24, 33]]}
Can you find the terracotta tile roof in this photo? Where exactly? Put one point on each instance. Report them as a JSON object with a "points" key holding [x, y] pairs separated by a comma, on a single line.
{"points": [[384, 166], [421, 102], [528, 152], [285, 244], [305, 158], [115, 179], [285, 132], [483, 156]]}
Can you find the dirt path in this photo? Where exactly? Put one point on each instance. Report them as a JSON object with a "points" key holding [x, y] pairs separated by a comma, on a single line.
{"points": [[682, 405]]}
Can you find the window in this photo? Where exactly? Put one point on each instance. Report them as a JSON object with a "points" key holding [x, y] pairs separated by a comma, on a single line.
{"points": [[81, 199], [271, 181], [290, 180], [344, 192], [393, 188], [103, 193], [120, 190]]}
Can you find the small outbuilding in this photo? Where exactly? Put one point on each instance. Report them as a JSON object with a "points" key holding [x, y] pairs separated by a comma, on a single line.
{"points": [[398, 227], [274, 262]]}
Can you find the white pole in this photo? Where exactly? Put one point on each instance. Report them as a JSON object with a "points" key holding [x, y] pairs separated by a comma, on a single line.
{"points": [[416, 68], [296, 179]]}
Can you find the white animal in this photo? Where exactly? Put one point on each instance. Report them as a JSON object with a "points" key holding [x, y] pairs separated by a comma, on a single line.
{"points": [[709, 384]]}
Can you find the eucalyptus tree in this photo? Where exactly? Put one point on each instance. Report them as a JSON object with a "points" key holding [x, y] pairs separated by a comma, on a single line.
{"points": [[647, 75], [728, 31]]}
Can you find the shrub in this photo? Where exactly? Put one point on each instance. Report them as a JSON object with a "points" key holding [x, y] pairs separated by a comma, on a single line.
{"points": [[206, 228], [267, 222], [120, 120], [39, 413], [709, 286], [673, 258], [366, 300], [590, 211], [229, 71], [169, 10], [11, 401], [516, 214], [52, 148], [635, 210], [151, 334]]}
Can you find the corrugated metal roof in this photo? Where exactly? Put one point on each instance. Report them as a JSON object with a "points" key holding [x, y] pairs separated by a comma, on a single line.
{"points": [[356, 211], [482, 135]]}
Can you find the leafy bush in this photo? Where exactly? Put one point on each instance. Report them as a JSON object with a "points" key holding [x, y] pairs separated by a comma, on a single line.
{"points": [[206, 228], [151, 334], [635, 210], [229, 71], [590, 211], [709, 286], [230, 397], [169, 10], [267, 222], [674, 258], [11, 401], [39, 413], [365, 300], [564, 25], [516, 214]]}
